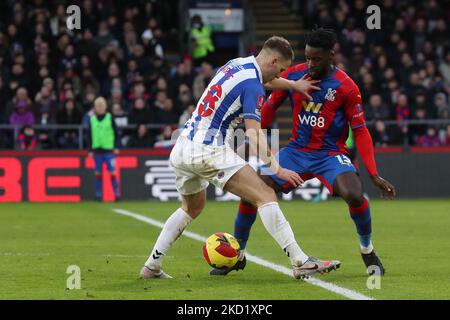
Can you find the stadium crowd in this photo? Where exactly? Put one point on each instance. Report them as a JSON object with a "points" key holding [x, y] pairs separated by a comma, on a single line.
{"points": [[403, 69], [51, 75]]}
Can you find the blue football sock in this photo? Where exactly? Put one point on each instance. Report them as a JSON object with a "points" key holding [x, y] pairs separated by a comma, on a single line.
{"points": [[245, 218], [363, 221]]}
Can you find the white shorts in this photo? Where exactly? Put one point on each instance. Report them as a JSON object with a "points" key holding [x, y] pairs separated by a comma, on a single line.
{"points": [[196, 165]]}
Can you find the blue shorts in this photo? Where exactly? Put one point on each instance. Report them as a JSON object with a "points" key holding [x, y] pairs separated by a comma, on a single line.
{"points": [[108, 158], [310, 165]]}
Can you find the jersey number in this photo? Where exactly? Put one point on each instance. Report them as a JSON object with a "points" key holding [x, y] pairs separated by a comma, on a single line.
{"points": [[344, 160], [214, 94]]}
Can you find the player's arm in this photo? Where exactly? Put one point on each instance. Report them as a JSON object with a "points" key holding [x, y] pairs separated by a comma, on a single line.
{"points": [[363, 141], [258, 143], [252, 98], [281, 86], [270, 107], [302, 85]]}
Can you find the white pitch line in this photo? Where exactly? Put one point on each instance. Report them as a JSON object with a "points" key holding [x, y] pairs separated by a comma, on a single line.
{"points": [[348, 293]]}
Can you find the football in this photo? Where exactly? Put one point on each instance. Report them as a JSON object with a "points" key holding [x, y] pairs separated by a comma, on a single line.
{"points": [[221, 250]]}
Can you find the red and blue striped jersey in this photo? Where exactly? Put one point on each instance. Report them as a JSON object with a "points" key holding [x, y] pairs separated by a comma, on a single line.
{"points": [[320, 124]]}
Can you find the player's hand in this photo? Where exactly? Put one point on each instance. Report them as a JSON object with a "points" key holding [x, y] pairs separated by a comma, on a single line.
{"points": [[116, 152], [304, 85], [290, 176], [387, 189], [90, 155]]}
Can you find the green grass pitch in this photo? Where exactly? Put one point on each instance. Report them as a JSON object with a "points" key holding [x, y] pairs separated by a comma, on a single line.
{"points": [[39, 241]]}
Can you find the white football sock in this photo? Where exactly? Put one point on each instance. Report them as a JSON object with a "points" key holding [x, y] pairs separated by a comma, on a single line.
{"points": [[241, 254], [279, 228], [366, 250], [172, 229]]}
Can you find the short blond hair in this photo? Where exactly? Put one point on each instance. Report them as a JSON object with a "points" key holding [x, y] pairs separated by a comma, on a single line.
{"points": [[281, 46]]}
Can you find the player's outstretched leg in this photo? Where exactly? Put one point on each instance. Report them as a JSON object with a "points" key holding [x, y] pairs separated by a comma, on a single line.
{"points": [[246, 184], [243, 223], [349, 187], [191, 207]]}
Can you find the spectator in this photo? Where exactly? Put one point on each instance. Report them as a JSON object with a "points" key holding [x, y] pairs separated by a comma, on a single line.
{"points": [[45, 106], [163, 108], [141, 139], [186, 115], [88, 82], [22, 116], [140, 113], [155, 46], [87, 46], [138, 91], [376, 109], [380, 135], [138, 54], [446, 136], [202, 44], [69, 61], [418, 130], [119, 116], [27, 139], [18, 76], [429, 139], [132, 72], [444, 68], [402, 109], [441, 106], [58, 19], [69, 115], [113, 73], [166, 139], [420, 102], [104, 37], [87, 116], [184, 98], [4, 97], [130, 40], [88, 102], [117, 97], [202, 80], [161, 84], [179, 77], [50, 84]]}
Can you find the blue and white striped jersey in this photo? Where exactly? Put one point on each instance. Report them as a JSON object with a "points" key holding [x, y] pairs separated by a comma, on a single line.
{"points": [[236, 92]]}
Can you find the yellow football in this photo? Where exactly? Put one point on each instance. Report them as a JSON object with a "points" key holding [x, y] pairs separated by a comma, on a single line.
{"points": [[221, 250]]}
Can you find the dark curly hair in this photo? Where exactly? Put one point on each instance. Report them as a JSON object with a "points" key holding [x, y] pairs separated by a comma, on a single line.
{"points": [[321, 38]]}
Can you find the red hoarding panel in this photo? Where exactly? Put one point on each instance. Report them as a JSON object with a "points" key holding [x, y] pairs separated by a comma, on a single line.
{"points": [[10, 180], [37, 179]]}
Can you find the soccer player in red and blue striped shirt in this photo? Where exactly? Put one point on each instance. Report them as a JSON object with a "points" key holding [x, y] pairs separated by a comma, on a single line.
{"points": [[317, 147]]}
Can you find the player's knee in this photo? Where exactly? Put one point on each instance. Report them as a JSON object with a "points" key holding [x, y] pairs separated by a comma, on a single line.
{"points": [[354, 198], [266, 195], [193, 212], [193, 209]]}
